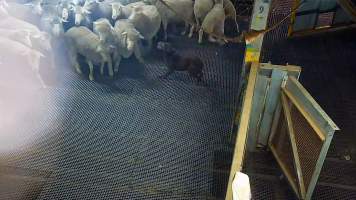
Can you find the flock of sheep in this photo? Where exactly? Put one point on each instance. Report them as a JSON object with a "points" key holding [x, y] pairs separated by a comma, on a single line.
{"points": [[103, 31]]}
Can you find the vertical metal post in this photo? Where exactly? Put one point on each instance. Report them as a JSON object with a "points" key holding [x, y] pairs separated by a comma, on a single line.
{"points": [[293, 18], [258, 22], [259, 19], [252, 54]]}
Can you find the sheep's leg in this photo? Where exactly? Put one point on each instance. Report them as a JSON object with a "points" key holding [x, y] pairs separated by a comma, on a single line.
{"points": [[186, 26], [165, 25], [149, 44], [201, 33], [102, 65], [221, 33], [192, 28], [138, 53], [41, 80], [117, 62], [237, 26], [73, 58], [111, 70], [91, 70], [197, 22]]}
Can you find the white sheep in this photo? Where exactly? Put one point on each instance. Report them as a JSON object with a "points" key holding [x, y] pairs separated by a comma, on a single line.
{"points": [[201, 9], [121, 11], [29, 12], [52, 24], [123, 36], [128, 39], [92, 10], [82, 14], [17, 54], [147, 21], [12, 23], [81, 40], [230, 12], [213, 23], [22, 36], [103, 9], [185, 9]]}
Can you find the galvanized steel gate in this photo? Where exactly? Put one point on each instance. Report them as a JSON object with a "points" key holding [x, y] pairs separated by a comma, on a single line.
{"points": [[277, 110]]}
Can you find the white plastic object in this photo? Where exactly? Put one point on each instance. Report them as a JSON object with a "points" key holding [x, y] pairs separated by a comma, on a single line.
{"points": [[241, 189]]}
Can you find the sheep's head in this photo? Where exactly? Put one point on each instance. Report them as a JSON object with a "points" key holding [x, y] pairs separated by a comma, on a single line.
{"points": [[66, 7], [117, 8], [38, 7], [81, 13], [103, 28], [56, 25], [131, 38], [137, 12]]}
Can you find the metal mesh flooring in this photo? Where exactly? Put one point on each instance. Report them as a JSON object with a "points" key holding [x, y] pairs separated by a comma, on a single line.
{"points": [[138, 137], [329, 74]]}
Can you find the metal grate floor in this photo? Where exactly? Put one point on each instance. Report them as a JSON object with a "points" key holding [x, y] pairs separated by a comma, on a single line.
{"points": [[138, 137]]}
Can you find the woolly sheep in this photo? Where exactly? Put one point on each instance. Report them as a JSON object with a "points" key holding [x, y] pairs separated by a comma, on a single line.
{"points": [[213, 23], [22, 36], [12, 23], [230, 12], [185, 9], [147, 21], [81, 40], [17, 54], [123, 36], [120, 11], [201, 9]]}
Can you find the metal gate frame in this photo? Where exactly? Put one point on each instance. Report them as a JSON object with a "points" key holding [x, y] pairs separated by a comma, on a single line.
{"points": [[318, 29], [304, 129], [244, 120]]}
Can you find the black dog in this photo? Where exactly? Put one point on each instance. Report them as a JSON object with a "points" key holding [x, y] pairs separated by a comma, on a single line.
{"points": [[176, 62]]}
